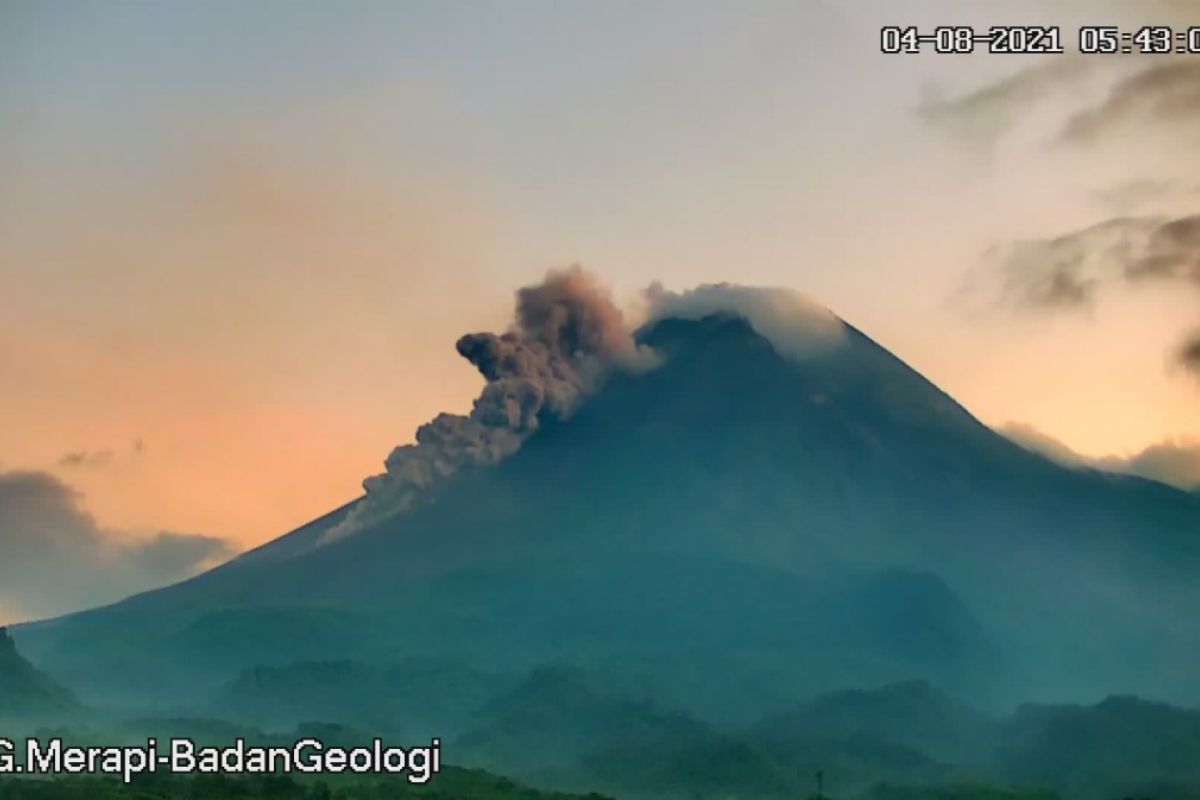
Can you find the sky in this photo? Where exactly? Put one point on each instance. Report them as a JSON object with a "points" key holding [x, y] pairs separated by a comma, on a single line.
{"points": [[239, 240]]}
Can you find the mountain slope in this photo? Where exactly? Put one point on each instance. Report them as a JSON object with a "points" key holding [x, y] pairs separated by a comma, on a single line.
{"points": [[24, 691]]}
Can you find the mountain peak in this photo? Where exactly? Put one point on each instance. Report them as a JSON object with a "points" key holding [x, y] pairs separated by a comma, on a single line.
{"points": [[796, 325]]}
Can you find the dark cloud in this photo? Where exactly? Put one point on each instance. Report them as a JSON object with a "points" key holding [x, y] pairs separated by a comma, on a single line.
{"points": [[41, 519], [1140, 194], [1164, 94], [1161, 93], [1174, 462], [1172, 253], [1067, 271], [86, 458], [54, 558], [566, 338], [1059, 284], [1189, 355], [989, 111], [178, 554]]}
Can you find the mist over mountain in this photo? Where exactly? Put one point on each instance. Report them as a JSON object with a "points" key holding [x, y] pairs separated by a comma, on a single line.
{"points": [[779, 507]]}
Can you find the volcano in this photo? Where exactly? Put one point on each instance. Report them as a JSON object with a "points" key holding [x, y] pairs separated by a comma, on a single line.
{"points": [[741, 526]]}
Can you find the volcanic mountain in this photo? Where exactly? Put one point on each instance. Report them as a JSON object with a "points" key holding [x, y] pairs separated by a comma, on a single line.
{"points": [[767, 511]]}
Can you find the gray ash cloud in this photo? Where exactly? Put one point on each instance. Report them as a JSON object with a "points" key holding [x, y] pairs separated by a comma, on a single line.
{"points": [[566, 338]]}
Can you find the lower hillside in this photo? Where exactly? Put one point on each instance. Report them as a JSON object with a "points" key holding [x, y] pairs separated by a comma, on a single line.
{"points": [[24, 690]]}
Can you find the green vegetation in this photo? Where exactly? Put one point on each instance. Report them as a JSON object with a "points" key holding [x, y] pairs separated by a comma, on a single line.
{"points": [[963, 792], [452, 784]]}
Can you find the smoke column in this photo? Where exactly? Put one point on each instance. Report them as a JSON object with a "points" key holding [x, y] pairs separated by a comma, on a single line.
{"points": [[567, 337]]}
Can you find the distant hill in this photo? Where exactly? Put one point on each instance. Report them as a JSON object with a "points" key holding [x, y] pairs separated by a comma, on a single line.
{"points": [[738, 765], [24, 690], [1121, 745], [912, 714], [569, 728], [412, 699], [909, 741], [559, 715]]}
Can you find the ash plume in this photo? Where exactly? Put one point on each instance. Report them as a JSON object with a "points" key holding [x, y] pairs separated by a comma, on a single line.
{"points": [[566, 338]]}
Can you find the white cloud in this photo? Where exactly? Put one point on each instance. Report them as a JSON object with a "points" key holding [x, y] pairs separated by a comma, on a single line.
{"points": [[1172, 461]]}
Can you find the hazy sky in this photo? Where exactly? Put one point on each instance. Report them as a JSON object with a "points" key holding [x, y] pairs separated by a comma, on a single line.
{"points": [[239, 239]]}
